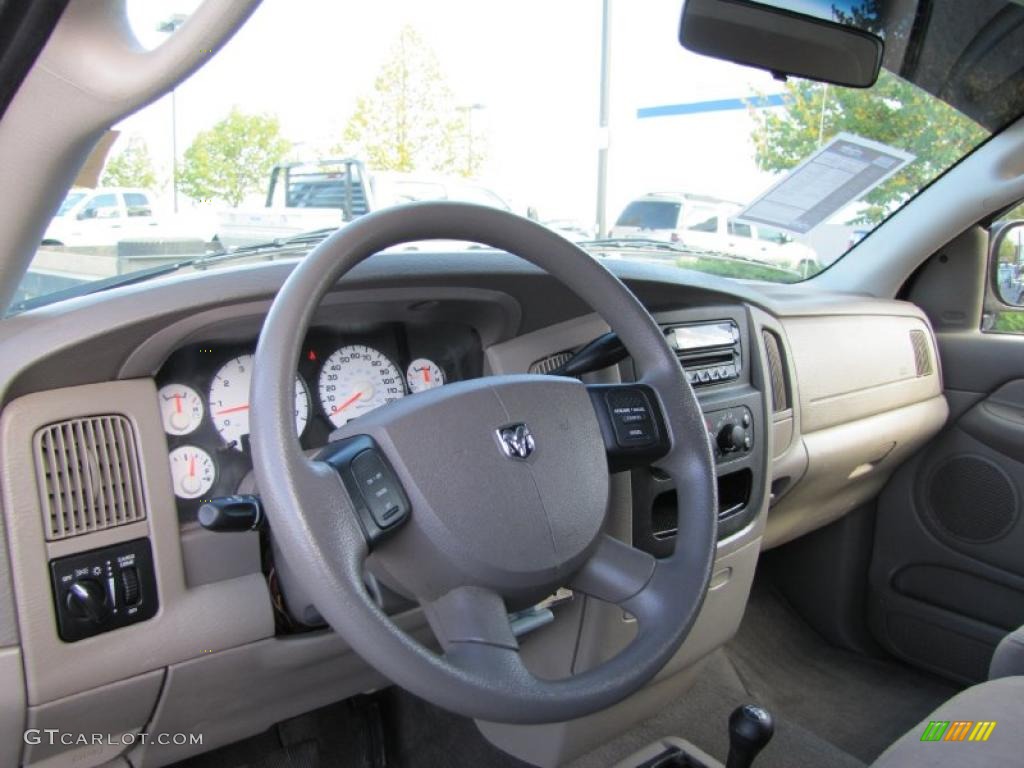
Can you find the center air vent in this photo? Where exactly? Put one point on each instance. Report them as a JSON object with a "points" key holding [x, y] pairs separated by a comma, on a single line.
{"points": [[89, 475], [551, 363], [922, 353], [776, 372]]}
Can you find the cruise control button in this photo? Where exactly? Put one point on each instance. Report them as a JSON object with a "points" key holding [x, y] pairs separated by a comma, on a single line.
{"points": [[378, 488]]}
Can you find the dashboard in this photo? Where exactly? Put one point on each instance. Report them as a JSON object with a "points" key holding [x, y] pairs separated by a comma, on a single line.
{"points": [[203, 394], [810, 402]]}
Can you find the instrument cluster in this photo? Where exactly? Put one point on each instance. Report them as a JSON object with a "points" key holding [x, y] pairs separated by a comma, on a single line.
{"points": [[203, 393]]}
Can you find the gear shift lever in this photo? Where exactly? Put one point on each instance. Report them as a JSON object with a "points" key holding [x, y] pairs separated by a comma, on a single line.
{"points": [[750, 729]]}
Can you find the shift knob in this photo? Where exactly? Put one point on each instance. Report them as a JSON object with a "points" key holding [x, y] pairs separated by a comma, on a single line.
{"points": [[750, 729]]}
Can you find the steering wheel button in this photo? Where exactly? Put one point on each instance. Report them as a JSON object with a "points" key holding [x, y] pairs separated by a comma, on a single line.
{"points": [[378, 487]]}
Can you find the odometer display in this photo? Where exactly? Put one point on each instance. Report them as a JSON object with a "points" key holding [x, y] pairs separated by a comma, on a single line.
{"points": [[356, 379]]}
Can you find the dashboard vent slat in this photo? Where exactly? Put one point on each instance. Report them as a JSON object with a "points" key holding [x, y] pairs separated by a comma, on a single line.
{"points": [[922, 353], [89, 475], [552, 362], [776, 372]]}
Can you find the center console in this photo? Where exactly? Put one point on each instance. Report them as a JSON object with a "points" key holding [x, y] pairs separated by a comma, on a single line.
{"points": [[714, 348]]}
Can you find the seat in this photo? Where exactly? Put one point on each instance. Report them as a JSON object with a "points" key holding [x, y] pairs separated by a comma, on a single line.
{"points": [[1000, 701]]}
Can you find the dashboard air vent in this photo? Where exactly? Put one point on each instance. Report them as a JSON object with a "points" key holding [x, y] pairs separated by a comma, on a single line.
{"points": [[89, 475], [922, 353], [550, 363], [776, 372]]}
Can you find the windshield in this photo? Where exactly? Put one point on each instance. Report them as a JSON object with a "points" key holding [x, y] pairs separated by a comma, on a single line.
{"points": [[697, 163]]}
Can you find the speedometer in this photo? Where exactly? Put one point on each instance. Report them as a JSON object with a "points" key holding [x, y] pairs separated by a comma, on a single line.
{"points": [[355, 380], [229, 401]]}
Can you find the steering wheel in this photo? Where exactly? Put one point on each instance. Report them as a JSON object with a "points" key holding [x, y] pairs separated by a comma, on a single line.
{"points": [[488, 494]]}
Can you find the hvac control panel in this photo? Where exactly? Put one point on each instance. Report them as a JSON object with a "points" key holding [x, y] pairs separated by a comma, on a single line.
{"points": [[104, 589], [731, 431]]}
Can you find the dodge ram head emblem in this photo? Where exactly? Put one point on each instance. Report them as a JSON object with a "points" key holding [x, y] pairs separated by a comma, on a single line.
{"points": [[516, 441]]}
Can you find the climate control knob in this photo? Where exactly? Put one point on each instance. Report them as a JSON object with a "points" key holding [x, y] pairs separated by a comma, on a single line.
{"points": [[87, 600], [732, 438]]}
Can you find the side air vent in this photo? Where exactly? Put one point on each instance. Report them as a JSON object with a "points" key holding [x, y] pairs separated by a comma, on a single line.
{"points": [[550, 363], [922, 353], [776, 372], [89, 475]]}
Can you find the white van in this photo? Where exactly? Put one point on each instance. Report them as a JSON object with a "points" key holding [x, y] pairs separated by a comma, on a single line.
{"points": [[708, 222]]}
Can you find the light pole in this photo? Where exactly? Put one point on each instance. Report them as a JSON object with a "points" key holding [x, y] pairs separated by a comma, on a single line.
{"points": [[469, 109], [168, 26], [602, 122]]}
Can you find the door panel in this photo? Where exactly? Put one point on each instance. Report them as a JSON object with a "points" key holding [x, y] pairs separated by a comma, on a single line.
{"points": [[947, 575]]}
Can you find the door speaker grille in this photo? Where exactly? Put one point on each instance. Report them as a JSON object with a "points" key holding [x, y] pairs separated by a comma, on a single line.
{"points": [[89, 475], [971, 499]]}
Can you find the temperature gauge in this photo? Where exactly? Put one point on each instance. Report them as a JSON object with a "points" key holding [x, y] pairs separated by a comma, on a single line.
{"points": [[192, 472], [423, 374], [181, 409]]}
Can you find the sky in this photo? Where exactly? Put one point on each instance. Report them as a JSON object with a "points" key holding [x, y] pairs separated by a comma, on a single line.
{"points": [[534, 66]]}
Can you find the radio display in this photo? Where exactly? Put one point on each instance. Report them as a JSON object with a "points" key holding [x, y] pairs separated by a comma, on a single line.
{"points": [[687, 337]]}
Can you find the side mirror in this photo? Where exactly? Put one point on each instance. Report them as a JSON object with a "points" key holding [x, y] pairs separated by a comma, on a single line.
{"points": [[1007, 254], [773, 35], [87, 213]]}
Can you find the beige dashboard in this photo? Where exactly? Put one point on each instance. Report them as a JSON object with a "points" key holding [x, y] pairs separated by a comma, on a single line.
{"points": [[866, 393], [855, 402]]}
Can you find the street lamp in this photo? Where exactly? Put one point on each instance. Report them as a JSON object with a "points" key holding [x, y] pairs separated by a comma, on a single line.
{"points": [[469, 109], [168, 26]]}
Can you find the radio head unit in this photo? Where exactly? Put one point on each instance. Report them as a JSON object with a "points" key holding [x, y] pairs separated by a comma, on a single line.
{"points": [[710, 353]]}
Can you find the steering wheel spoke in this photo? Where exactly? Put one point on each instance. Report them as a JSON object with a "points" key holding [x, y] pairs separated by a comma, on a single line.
{"points": [[616, 573], [632, 424], [374, 489], [470, 615]]}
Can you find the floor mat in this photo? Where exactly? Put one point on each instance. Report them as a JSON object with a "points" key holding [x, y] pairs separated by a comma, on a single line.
{"points": [[832, 708]]}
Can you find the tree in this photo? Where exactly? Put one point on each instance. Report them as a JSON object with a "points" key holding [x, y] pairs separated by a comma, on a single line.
{"points": [[131, 167], [409, 121], [233, 158], [893, 112]]}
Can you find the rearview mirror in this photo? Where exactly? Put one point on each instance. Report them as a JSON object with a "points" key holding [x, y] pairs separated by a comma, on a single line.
{"points": [[769, 35]]}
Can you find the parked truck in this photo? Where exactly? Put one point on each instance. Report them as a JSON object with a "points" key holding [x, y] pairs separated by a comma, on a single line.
{"points": [[324, 194]]}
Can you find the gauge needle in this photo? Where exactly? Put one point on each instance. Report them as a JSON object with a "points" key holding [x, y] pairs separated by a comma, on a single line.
{"points": [[192, 466], [426, 375], [346, 404], [236, 409], [177, 403]]}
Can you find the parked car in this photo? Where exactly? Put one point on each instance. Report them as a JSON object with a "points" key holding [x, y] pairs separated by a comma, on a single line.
{"points": [[710, 223], [106, 216]]}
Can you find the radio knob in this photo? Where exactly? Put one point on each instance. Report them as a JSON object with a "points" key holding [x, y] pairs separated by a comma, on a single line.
{"points": [[731, 438]]}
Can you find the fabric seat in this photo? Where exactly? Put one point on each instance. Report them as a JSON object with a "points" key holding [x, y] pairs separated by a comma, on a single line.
{"points": [[1000, 701]]}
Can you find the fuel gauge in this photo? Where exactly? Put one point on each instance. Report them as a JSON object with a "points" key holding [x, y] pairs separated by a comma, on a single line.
{"points": [[181, 409], [423, 374]]}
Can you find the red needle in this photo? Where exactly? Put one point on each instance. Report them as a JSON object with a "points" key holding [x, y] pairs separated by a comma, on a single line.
{"points": [[426, 375], [192, 466], [177, 403], [346, 404], [234, 410]]}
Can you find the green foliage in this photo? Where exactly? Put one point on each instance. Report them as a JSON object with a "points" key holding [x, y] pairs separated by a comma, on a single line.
{"points": [[893, 112], [740, 270], [131, 167], [1009, 322], [233, 158], [409, 120]]}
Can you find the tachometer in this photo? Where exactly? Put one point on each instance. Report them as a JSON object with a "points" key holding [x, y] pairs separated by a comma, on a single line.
{"points": [[192, 472], [229, 401], [355, 380], [181, 409], [423, 374]]}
